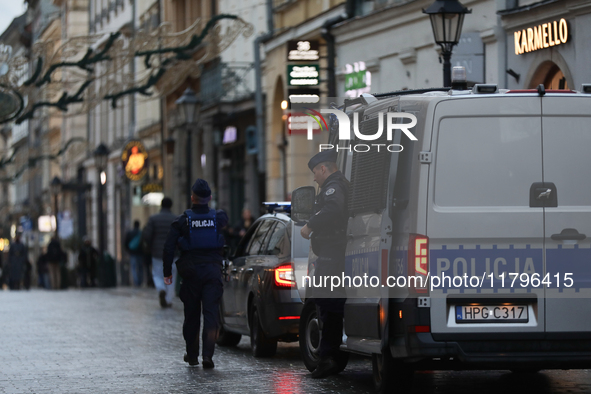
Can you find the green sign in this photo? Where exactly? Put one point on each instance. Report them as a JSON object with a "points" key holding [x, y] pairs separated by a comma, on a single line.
{"points": [[355, 80], [303, 75]]}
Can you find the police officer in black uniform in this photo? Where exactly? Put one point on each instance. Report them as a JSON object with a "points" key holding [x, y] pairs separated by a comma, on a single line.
{"points": [[198, 234], [327, 230]]}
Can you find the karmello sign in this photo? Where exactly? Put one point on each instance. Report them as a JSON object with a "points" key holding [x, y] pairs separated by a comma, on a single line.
{"points": [[540, 37]]}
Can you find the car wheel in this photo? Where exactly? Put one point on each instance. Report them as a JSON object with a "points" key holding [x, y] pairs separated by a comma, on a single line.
{"points": [[390, 375], [226, 338], [261, 345], [310, 335]]}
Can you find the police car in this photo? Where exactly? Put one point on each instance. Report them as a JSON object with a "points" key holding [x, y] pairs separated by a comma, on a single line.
{"points": [[262, 298]]}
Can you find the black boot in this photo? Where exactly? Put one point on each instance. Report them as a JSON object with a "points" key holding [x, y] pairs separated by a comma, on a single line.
{"points": [[325, 368]]}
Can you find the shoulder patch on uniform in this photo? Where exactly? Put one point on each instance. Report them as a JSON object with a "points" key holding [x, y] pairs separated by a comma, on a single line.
{"points": [[329, 191]]}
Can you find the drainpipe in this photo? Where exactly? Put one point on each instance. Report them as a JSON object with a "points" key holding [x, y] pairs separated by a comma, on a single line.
{"points": [[330, 44], [260, 111]]}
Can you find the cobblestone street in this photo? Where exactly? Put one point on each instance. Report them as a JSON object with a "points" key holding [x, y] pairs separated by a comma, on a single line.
{"points": [[121, 341]]}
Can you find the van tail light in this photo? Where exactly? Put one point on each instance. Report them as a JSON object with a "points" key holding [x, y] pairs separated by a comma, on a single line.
{"points": [[418, 263], [284, 275]]}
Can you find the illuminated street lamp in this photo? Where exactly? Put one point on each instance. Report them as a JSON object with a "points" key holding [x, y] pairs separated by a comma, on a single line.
{"points": [[447, 17], [189, 110], [56, 187], [101, 156]]}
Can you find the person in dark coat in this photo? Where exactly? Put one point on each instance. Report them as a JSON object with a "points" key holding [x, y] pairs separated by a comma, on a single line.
{"points": [[43, 271], [133, 244], [87, 264], [198, 233], [17, 259], [154, 235], [327, 230], [55, 256]]}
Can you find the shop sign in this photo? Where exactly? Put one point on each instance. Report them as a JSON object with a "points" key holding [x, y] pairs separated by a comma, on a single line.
{"points": [[135, 160], [542, 36], [152, 188], [357, 79], [303, 75], [230, 135], [302, 50], [297, 123]]}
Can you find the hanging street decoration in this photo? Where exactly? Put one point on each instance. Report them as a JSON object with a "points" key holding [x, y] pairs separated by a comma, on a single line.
{"points": [[85, 70]]}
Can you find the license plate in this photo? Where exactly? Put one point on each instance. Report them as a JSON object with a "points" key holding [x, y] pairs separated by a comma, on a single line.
{"points": [[491, 314]]}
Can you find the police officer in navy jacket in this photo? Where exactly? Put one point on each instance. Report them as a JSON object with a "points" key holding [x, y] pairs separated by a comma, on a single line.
{"points": [[327, 229], [198, 235]]}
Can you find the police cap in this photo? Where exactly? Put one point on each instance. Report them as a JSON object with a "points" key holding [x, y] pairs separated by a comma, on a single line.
{"points": [[201, 188], [324, 156]]}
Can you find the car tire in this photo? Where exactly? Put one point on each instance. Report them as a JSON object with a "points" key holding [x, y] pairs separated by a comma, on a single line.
{"points": [[226, 338], [310, 339], [390, 375], [262, 346]]}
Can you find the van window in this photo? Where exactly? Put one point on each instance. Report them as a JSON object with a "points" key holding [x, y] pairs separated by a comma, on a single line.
{"points": [[487, 161]]}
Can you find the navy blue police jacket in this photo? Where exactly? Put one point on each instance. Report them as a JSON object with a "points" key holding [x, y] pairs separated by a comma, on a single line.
{"points": [[180, 228], [329, 223]]}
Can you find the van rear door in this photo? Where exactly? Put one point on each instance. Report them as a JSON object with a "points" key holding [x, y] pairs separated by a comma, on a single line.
{"points": [[487, 152], [566, 128]]}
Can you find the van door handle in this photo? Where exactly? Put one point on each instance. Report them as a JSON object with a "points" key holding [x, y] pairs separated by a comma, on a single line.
{"points": [[569, 234]]}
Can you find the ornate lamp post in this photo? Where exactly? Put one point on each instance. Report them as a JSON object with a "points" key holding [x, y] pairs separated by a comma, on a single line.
{"points": [[101, 155], [189, 110], [447, 17], [56, 187]]}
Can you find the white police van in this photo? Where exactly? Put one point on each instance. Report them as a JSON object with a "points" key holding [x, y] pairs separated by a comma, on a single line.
{"points": [[491, 205]]}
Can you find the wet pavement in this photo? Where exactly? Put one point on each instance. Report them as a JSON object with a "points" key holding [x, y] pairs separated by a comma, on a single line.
{"points": [[121, 341]]}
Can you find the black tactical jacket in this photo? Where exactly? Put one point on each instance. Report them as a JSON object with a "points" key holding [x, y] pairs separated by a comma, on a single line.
{"points": [[329, 224]]}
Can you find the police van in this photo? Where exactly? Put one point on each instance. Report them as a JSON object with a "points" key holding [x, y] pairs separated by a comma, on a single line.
{"points": [[491, 206]]}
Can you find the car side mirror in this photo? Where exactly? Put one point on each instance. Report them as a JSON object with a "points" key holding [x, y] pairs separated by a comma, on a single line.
{"points": [[302, 204]]}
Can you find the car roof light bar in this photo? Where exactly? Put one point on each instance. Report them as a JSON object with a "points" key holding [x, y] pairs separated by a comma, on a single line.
{"points": [[278, 206]]}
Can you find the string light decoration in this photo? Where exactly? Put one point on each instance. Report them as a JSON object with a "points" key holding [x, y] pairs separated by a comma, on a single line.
{"points": [[83, 71]]}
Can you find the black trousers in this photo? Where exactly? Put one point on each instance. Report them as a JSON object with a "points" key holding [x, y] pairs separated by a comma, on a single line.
{"points": [[331, 312], [201, 291], [330, 304]]}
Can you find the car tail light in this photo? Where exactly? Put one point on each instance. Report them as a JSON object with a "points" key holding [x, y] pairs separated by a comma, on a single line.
{"points": [[284, 275], [418, 262], [422, 329]]}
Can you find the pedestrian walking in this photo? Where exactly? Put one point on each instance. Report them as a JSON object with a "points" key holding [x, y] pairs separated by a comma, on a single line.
{"points": [[17, 258], [154, 235], [198, 233], [327, 229], [55, 256], [88, 258], [43, 271], [133, 244]]}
